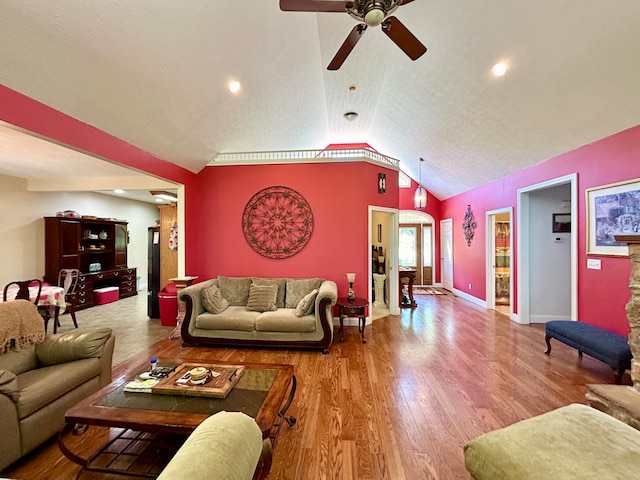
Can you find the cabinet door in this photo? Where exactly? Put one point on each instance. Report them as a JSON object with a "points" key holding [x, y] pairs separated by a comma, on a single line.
{"points": [[121, 245], [69, 244]]}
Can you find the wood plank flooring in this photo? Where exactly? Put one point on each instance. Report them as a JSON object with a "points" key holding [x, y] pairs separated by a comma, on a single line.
{"points": [[399, 407]]}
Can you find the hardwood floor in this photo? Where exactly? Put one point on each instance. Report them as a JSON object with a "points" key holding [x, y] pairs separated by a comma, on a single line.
{"points": [[400, 406]]}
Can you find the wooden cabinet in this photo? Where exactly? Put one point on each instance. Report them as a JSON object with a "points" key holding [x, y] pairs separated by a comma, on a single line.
{"points": [[98, 248]]}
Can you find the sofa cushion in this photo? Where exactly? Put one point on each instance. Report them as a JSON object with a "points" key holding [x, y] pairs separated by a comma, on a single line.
{"points": [[233, 318], [42, 386], [235, 289], [9, 385], [307, 303], [262, 298], [70, 346], [298, 288], [285, 320], [19, 361], [280, 282], [212, 300]]}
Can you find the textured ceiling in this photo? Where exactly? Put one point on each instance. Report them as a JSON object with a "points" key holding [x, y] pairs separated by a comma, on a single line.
{"points": [[154, 74]]}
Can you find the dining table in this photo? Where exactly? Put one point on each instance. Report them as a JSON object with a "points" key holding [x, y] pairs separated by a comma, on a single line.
{"points": [[51, 299]]}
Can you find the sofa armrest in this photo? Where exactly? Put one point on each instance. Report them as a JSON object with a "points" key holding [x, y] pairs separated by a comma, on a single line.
{"points": [[226, 445], [71, 346], [9, 385], [326, 299], [193, 305]]}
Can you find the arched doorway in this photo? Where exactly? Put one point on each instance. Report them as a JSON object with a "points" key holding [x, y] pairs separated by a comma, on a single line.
{"points": [[417, 245]]}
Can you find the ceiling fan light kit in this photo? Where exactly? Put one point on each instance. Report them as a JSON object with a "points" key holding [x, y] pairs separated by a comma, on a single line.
{"points": [[371, 13]]}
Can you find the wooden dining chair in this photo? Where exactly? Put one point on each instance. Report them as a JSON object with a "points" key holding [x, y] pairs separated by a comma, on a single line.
{"points": [[23, 290], [68, 279]]}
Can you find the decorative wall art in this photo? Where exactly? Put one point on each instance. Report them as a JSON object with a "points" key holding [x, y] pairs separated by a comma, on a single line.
{"points": [[469, 225], [561, 223], [277, 222], [382, 183], [612, 210]]}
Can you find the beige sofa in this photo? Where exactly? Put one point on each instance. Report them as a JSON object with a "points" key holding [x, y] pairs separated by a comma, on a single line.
{"points": [[238, 325], [39, 382]]}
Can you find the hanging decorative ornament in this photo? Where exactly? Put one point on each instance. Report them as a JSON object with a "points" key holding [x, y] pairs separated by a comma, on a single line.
{"points": [[277, 222], [420, 197], [173, 237], [469, 225]]}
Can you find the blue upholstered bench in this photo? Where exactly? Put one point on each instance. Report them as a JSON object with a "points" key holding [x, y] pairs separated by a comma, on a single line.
{"points": [[608, 347]]}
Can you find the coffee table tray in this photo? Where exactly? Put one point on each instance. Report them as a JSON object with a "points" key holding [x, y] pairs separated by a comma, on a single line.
{"points": [[215, 386]]}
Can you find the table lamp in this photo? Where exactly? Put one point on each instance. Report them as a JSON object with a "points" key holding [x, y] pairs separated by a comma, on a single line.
{"points": [[351, 277]]}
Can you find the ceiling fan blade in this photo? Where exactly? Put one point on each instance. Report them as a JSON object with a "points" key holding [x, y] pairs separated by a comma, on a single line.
{"points": [[404, 2], [315, 5], [347, 46], [402, 37]]}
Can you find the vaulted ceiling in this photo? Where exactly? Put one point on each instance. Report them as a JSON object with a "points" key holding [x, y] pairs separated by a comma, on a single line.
{"points": [[155, 74]]}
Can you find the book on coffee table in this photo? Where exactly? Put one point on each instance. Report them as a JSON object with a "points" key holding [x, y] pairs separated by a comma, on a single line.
{"points": [[217, 382]]}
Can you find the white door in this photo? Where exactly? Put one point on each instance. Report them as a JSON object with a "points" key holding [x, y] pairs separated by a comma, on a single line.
{"points": [[446, 253]]}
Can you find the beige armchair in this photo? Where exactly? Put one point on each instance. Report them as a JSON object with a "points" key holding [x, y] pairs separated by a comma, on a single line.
{"points": [[41, 379]]}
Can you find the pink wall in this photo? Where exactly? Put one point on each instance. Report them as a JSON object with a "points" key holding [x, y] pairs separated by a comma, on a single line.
{"points": [[433, 207], [31, 115], [602, 294], [339, 195]]}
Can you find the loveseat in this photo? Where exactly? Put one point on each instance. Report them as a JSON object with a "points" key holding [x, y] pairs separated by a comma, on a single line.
{"points": [[265, 312], [41, 377]]}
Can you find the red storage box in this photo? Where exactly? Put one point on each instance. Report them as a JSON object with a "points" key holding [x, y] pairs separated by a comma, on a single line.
{"points": [[105, 295]]}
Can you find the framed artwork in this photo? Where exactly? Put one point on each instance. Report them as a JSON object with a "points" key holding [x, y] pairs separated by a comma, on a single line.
{"points": [[612, 210], [561, 223]]}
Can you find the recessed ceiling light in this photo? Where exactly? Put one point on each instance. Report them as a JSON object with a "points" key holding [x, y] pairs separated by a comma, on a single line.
{"points": [[234, 86], [350, 116], [119, 191], [499, 69]]}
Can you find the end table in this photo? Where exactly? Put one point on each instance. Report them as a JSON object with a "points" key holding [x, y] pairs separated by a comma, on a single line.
{"points": [[352, 307]]}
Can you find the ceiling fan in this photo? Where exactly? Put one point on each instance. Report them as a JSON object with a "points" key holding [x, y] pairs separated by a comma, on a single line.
{"points": [[372, 13]]}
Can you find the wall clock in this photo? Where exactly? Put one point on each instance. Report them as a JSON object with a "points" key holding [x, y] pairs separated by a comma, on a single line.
{"points": [[277, 222]]}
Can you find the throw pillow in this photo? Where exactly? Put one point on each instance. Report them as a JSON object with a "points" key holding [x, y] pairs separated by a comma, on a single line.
{"points": [[298, 288], [212, 300], [280, 282], [262, 298], [307, 304], [235, 289]]}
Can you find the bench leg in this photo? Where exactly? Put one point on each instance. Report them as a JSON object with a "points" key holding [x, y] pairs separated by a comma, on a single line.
{"points": [[546, 339]]}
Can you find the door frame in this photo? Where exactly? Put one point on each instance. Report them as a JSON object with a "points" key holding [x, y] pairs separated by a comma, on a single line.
{"points": [[490, 267], [443, 221], [391, 259], [523, 233]]}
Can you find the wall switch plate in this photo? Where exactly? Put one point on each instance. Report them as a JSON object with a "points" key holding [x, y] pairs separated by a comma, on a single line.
{"points": [[594, 264]]}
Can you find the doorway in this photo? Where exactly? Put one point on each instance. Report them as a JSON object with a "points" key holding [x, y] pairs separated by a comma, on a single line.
{"points": [[383, 262], [499, 261], [547, 260], [416, 239], [446, 251]]}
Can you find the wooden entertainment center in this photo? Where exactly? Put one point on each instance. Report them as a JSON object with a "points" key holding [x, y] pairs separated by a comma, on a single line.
{"points": [[96, 247]]}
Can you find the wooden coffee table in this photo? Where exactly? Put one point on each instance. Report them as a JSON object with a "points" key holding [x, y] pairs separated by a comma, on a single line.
{"points": [[264, 392]]}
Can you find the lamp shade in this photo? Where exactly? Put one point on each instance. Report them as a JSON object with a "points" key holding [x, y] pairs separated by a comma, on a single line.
{"points": [[351, 277], [420, 198]]}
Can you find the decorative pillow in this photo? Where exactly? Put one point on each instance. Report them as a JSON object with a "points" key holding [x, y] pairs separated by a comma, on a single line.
{"points": [[307, 304], [298, 288], [280, 282], [212, 300], [262, 298], [235, 289]]}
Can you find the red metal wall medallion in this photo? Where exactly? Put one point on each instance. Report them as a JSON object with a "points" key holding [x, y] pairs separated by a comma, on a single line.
{"points": [[277, 222]]}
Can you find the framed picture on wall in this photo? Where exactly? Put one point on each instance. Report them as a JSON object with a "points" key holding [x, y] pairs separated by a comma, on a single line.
{"points": [[612, 210]]}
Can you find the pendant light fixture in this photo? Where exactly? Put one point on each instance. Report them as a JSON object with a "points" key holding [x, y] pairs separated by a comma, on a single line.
{"points": [[420, 197]]}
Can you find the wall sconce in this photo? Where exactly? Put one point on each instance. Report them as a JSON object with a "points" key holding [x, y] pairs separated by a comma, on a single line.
{"points": [[351, 277], [420, 197]]}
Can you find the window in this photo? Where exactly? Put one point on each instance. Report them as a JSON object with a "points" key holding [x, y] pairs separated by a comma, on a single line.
{"points": [[407, 246]]}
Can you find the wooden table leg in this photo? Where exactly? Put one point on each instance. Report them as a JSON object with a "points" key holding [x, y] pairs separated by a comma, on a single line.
{"points": [[341, 325], [362, 322]]}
